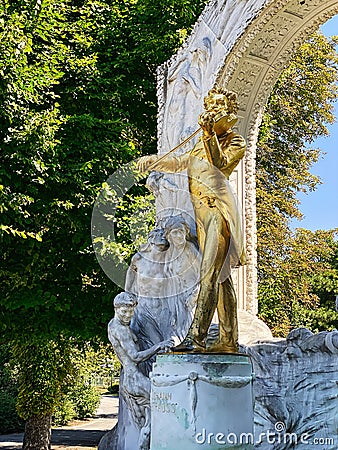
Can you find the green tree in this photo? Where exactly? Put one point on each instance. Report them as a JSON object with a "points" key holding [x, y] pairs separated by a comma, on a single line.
{"points": [[80, 398], [78, 99], [44, 369], [10, 422], [298, 110], [288, 287], [324, 284]]}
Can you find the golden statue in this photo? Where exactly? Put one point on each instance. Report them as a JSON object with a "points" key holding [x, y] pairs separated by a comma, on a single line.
{"points": [[209, 165]]}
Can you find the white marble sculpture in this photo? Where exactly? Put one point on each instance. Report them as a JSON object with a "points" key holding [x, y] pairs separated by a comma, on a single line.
{"points": [[185, 85], [135, 388], [145, 274], [146, 280], [164, 277], [183, 260], [295, 389], [166, 192]]}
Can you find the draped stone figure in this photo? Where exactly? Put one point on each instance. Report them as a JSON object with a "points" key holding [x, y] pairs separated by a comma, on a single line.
{"points": [[166, 192], [182, 267], [185, 82], [146, 280], [164, 277]]}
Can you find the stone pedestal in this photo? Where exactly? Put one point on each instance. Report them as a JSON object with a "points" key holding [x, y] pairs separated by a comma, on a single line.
{"points": [[201, 401]]}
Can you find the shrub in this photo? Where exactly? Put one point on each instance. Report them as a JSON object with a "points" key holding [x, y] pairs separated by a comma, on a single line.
{"points": [[86, 400], [64, 413], [10, 422]]}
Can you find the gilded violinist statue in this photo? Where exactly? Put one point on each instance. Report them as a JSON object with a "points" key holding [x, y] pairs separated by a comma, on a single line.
{"points": [[209, 165]]}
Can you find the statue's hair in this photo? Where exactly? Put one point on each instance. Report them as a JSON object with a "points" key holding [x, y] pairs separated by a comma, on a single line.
{"points": [[231, 98], [146, 247], [125, 299], [176, 222]]}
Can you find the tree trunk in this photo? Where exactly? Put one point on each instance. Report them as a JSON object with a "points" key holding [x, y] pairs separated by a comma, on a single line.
{"points": [[38, 433]]}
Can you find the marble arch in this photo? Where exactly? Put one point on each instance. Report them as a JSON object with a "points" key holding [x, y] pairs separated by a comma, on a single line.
{"points": [[242, 45]]}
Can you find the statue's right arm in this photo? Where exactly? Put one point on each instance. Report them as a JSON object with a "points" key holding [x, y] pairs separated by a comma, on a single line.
{"points": [[127, 345], [149, 352], [129, 348], [169, 163]]}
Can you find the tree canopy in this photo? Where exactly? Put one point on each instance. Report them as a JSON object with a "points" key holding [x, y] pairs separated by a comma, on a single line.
{"points": [[78, 99], [298, 110]]}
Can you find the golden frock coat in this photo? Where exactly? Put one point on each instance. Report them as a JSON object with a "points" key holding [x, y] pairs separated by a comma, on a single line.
{"points": [[209, 166]]}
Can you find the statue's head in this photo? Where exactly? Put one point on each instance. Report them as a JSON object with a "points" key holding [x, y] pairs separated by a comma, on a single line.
{"points": [[219, 98], [223, 105], [124, 305], [177, 230], [125, 299]]}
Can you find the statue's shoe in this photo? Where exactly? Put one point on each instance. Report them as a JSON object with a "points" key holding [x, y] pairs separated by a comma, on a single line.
{"points": [[222, 347], [189, 345]]}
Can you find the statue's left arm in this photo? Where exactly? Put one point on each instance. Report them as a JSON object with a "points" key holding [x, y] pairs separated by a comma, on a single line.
{"points": [[224, 153]]}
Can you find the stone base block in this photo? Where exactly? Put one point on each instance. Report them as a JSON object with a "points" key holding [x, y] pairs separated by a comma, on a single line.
{"points": [[202, 401]]}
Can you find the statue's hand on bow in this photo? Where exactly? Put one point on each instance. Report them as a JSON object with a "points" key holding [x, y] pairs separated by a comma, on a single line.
{"points": [[145, 162]]}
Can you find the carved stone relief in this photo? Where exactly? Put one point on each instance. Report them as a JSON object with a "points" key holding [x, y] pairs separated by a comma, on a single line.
{"points": [[296, 391], [265, 44]]}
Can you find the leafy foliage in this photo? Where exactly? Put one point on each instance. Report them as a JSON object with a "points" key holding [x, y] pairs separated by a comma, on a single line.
{"points": [[288, 293], [9, 419], [298, 110], [325, 284], [10, 422], [68, 386], [44, 370], [80, 402], [64, 413], [78, 99], [80, 398], [86, 400], [8, 375]]}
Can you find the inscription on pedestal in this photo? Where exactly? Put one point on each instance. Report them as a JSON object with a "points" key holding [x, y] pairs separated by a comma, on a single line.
{"points": [[201, 399], [161, 402]]}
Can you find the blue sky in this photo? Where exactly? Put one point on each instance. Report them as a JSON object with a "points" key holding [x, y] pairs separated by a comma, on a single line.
{"points": [[320, 208]]}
